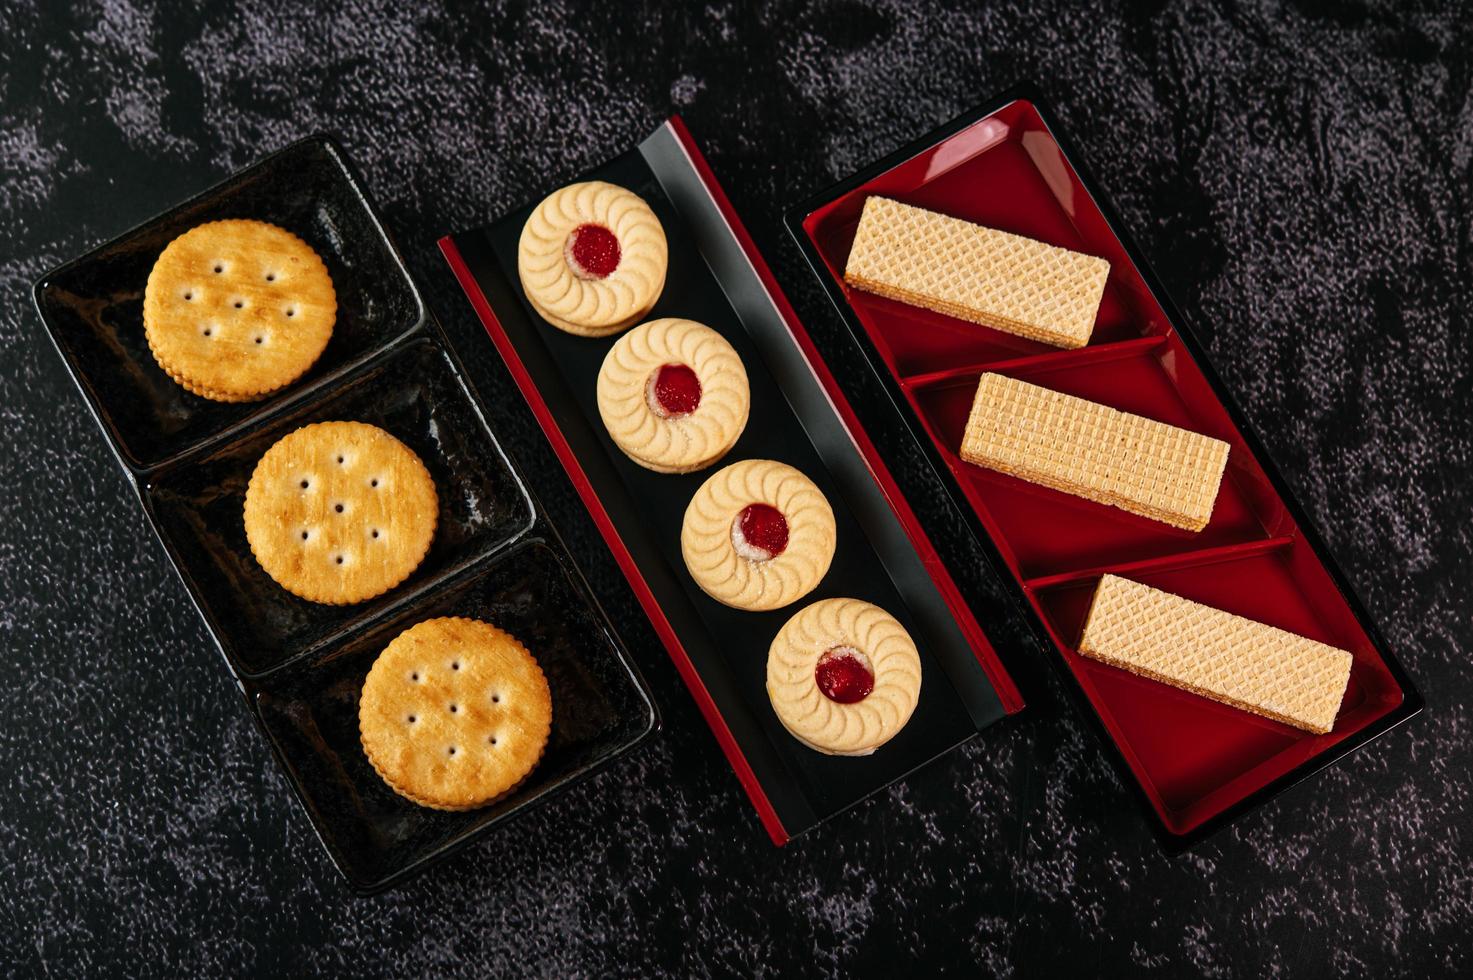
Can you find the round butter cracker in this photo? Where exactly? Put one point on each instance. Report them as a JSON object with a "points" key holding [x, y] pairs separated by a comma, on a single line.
{"points": [[339, 512], [454, 713], [235, 310]]}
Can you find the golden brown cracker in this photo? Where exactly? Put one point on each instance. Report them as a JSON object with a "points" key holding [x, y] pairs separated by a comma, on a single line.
{"points": [[454, 713], [237, 309], [339, 512]]}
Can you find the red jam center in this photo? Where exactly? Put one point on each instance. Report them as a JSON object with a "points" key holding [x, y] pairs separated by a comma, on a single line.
{"points": [[843, 676], [593, 251], [764, 528], [676, 389]]}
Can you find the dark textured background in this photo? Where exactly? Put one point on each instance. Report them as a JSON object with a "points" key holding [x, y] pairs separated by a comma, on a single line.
{"points": [[1300, 175]]}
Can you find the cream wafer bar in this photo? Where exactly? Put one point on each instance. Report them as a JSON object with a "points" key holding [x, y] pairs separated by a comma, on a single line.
{"points": [[979, 274], [1093, 451], [1246, 664]]}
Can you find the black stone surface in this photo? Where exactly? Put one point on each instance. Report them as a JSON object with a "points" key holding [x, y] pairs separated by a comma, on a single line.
{"points": [[1299, 172]]}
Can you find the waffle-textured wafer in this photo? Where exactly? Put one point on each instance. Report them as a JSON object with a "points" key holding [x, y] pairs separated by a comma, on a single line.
{"points": [[1094, 451], [978, 274], [1246, 664]]}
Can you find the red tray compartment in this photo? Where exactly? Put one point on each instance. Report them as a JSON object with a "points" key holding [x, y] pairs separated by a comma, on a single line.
{"points": [[1226, 751], [1045, 531], [1196, 763]]}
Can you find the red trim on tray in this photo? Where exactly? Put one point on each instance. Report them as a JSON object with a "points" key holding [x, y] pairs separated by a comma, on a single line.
{"points": [[569, 459], [1099, 354], [1007, 692], [1199, 556]]}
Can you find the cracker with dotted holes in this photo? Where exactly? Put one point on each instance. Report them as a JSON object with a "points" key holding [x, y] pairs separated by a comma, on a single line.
{"points": [[235, 310], [454, 713], [339, 512]]}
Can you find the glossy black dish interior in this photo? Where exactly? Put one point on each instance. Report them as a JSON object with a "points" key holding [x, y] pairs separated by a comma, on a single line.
{"points": [[414, 393], [728, 646], [299, 664], [310, 711], [93, 306]]}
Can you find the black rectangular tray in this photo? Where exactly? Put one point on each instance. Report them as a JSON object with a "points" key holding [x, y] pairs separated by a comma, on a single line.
{"points": [[722, 651], [300, 665]]}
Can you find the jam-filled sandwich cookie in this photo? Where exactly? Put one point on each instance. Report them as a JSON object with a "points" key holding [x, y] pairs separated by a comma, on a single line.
{"points": [[454, 713], [339, 512], [592, 258], [235, 310], [758, 535], [843, 676], [673, 395]]}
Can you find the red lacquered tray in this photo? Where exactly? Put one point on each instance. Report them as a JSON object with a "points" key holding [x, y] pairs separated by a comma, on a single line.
{"points": [[1197, 764]]}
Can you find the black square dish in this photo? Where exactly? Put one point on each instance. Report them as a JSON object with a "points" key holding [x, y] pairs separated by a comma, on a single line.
{"points": [[299, 664], [414, 394], [93, 306], [310, 712]]}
